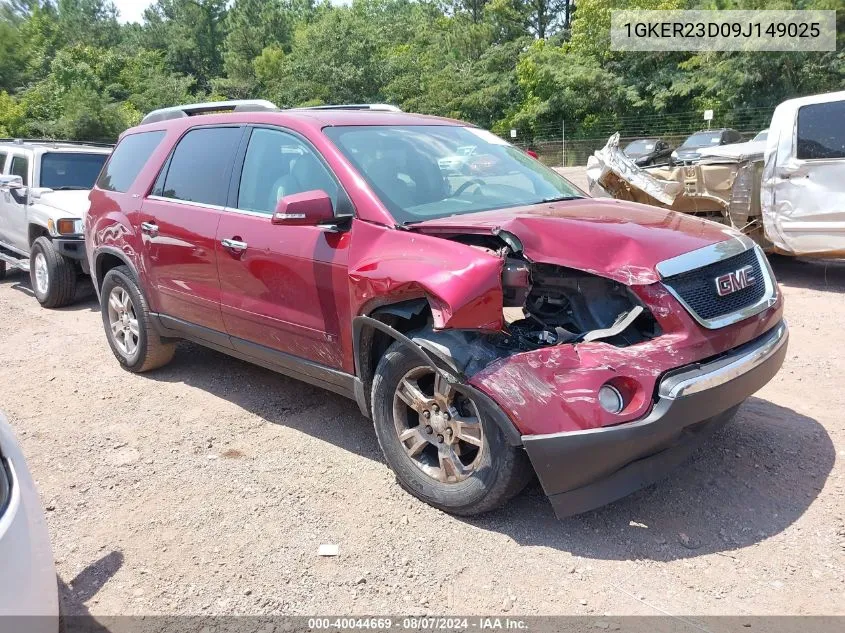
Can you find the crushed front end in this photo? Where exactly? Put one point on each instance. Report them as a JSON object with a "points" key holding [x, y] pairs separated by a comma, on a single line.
{"points": [[611, 385]]}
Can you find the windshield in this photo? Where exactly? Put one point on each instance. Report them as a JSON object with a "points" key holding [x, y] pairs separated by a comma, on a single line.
{"points": [[422, 172], [66, 170], [762, 136], [703, 139], [642, 146]]}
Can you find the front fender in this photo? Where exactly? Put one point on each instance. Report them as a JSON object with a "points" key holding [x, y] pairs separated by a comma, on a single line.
{"points": [[462, 284]]}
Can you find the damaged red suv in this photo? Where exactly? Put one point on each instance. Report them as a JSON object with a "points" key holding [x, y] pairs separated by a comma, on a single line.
{"points": [[491, 319]]}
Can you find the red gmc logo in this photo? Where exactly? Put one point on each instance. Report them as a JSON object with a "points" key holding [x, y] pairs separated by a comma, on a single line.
{"points": [[737, 280]]}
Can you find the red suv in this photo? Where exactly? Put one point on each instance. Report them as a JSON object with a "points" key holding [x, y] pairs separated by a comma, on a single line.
{"points": [[490, 318]]}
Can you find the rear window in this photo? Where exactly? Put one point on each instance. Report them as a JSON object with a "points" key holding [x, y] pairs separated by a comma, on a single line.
{"points": [[821, 133], [66, 170], [127, 161], [703, 139], [199, 168]]}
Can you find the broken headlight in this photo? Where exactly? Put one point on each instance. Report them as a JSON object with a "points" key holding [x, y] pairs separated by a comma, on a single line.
{"points": [[547, 305]]}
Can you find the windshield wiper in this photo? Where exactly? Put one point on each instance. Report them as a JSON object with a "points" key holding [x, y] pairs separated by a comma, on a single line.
{"points": [[68, 188], [560, 198]]}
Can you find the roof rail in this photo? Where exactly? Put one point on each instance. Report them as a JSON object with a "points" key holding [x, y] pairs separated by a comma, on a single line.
{"points": [[194, 109], [53, 141], [379, 107]]}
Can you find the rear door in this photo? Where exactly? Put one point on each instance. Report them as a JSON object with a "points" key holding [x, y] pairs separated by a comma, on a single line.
{"points": [[286, 289], [179, 226]]}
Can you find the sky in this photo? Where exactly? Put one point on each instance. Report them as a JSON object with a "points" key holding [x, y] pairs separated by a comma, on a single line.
{"points": [[133, 10]]}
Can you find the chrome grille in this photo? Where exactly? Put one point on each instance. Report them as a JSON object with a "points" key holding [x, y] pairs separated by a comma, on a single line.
{"points": [[698, 287], [692, 279]]}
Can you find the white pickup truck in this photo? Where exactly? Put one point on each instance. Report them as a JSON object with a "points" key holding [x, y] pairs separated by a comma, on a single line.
{"points": [[44, 189]]}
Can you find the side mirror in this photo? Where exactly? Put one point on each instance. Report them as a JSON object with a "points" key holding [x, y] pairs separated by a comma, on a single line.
{"points": [[10, 183], [308, 208], [532, 154]]}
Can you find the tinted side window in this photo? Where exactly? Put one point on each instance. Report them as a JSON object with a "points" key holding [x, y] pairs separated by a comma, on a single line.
{"points": [[821, 133], [2, 161], [200, 166], [127, 161], [278, 165], [20, 167]]}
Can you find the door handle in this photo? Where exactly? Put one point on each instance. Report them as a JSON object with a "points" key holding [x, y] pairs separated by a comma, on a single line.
{"points": [[236, 246], [149, 228]]}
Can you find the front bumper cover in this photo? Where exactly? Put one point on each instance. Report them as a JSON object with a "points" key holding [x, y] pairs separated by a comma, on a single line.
{"points": [[583, 470], [70, 247]]}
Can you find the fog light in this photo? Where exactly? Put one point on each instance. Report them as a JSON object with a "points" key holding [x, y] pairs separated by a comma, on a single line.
{"points": [[610, 399]]}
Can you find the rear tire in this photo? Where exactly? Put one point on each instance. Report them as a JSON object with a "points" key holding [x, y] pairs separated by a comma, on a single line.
{"points": [[129, 330], [457, 458], [51, 274]]}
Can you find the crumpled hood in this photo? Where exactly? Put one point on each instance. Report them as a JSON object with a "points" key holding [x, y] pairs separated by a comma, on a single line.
{"points": [[73, 203], [620, 240]]}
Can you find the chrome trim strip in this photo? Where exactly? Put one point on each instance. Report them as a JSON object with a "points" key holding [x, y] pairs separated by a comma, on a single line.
{"points": [[724, 370], [257, 214], [769, 298], [202, 205], [704, 256]]}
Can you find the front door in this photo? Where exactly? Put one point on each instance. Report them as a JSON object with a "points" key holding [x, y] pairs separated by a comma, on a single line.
{"points": [[283, 288], [178, 223], [15, 226]]}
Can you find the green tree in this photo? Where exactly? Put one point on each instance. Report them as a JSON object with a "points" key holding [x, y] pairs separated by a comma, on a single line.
{"points": [[253, 25], [190, 33]]}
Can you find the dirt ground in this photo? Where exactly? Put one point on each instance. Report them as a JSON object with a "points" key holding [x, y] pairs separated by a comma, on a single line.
{"points": [[208, 487]]}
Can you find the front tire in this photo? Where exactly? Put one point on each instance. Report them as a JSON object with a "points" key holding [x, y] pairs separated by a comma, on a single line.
{"points": [[51, 274], [126, 319], [443, 446]]}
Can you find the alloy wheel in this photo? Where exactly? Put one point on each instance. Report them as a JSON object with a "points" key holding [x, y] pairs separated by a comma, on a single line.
{"points": [[439, 428], [123, 322], [42, 275]]}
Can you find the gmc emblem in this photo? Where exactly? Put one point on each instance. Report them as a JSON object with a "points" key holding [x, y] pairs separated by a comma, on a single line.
{"points": [[737, 280]]}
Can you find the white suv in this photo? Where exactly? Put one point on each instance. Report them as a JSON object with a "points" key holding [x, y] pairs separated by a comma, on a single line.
{"points": [[44, 189]]}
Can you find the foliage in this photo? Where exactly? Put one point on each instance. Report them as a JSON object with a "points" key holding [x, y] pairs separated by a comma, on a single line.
{"points": [[68, 68]]}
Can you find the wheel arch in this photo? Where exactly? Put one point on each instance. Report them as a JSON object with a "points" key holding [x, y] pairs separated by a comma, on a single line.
{"points": [[105, 259], [35, 230], [372, 334]]}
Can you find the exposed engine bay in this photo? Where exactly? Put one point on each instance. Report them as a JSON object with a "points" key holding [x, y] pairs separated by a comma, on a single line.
{"points": [[545, 304], [560, 305]]}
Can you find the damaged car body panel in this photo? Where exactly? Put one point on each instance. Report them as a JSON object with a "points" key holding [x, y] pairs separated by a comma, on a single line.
{"points": [[623, 242], [612, 313], [785, 192], [803, 196], [722, 186], [462, 285]]}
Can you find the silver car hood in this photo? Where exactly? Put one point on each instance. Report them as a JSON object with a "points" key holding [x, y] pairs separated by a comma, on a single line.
{"points": [[71, 203]]}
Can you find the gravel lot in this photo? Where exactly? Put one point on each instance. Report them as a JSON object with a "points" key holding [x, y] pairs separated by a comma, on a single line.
{"points": [[208, 487]]}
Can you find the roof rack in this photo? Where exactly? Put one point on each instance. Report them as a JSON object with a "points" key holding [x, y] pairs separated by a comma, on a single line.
{"points": [[379, 107], [53, 141], [195, 109]]}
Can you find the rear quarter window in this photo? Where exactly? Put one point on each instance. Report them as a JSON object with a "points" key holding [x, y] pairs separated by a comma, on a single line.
{"points": [[821, 133], [127, 160]]}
